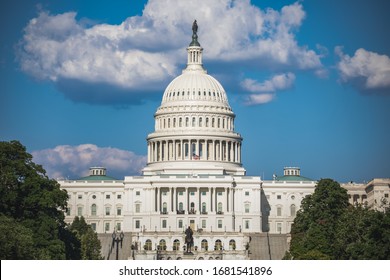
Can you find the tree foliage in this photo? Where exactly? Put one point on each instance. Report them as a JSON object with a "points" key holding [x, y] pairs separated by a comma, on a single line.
{"points": [[32, 205], [327, 227], [90, 244]]}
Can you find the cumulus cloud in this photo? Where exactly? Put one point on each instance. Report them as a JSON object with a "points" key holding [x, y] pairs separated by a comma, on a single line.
{"points": [[143, 53], [365, 69], [73, 162], [256, 99], [265, 92]]}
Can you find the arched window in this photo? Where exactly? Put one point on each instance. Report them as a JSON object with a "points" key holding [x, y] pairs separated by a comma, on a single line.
{"points": [[93, 209], [192, 206], [169, 123], [162, 244], [176, 245], [232, 244], [204, 245], [164, 123], [213, 122], [180, 122], [193, 121], [247, 207], [292, 210], [219, 123], [174, 122], [200, 122], [218, 245], [207, 122], [187, 121], [204, 208], [148, 245]]}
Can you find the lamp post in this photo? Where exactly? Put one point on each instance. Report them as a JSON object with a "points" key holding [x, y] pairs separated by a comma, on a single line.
{"points": [[116, 238]]}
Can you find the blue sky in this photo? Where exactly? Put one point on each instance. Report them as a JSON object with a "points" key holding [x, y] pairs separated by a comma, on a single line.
{"points": [[309, 81]]}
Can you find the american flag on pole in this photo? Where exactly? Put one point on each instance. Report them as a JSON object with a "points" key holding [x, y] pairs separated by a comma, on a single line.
{"points": [[195, 156]]}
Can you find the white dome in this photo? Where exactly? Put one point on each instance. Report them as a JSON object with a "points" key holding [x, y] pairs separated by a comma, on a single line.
{"points": [[195, 86], [194, 125]]}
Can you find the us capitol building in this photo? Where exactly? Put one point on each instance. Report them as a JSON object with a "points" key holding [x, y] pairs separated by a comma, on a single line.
{"points": [[194, 178]]}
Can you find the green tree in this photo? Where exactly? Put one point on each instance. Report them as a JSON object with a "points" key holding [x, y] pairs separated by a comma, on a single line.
{"points": [[90, 246], [16, 240], [327, 227], [90, 243], [34, 202], [314, 229], [363, 234]]}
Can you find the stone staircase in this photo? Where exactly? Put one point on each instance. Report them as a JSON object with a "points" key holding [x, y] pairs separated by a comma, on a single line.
{"points": [[265, 246], [109, 252]]}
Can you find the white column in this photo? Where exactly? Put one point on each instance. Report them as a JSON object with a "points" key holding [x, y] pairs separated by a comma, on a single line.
{"points": [[158, 200], [227, 199], [174, 150], [220, 150]]}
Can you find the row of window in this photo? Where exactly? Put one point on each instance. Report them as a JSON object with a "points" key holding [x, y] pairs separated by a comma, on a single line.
{"points": [[93, 212], [108, 196], [192, 207], [203, 225], [162, 245], [223, 123], [107, 226], [205, 94], [279, 197]]}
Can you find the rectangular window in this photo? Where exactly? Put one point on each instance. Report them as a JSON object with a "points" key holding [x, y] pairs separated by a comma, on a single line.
{"points": [[137, 224], [247, 206], [203, 193], [386, 195], [219, 193], [137, 208], [203, 223], [247, 224], [192, 193], [107, 227], [68, 211], [119, 211], [108, 210], [219, 223], [80, 196], [93, 226], [246, 193], [118, 226], [108, 196], [164, 223], [180, 193], [180, 225], [279, 227], [137, 193], [79, 211], [278, 196], [164, 193], [279, 211], [119, 196]]}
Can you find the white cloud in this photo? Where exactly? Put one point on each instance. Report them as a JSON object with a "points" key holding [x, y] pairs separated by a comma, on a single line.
{"points": [[277, 82], [265, 92], [144, 52], [74, 161], [369, 69], [256, 99]]}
